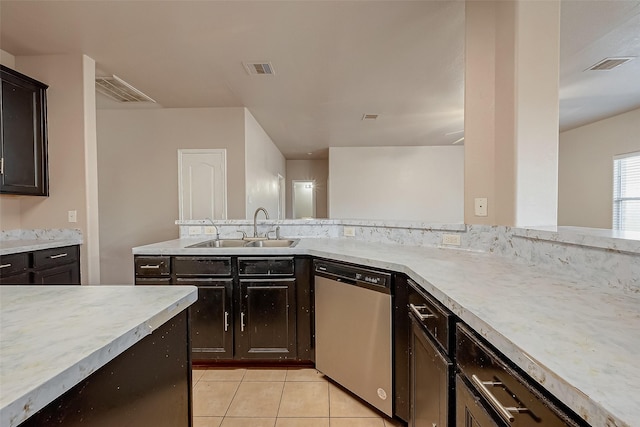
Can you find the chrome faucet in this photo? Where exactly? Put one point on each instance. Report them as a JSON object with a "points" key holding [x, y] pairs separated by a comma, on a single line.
{"points": [[255, 218], [214, 226]]}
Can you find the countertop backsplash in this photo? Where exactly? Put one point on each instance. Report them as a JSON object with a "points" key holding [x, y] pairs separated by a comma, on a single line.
{"points": [[611, 257], [42, 234]]}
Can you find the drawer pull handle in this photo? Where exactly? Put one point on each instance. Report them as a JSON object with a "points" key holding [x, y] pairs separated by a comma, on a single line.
{"points": [[5, 265], [62, 255], [148, 266], [242, 322], [226, 321], [417, 312], [504, 412]]}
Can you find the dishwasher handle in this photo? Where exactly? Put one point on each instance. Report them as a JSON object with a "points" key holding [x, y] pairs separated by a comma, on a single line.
{"points": [[345, 280]]}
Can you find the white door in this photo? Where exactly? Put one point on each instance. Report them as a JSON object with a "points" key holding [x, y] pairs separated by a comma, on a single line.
{"points": [[202, 187]]}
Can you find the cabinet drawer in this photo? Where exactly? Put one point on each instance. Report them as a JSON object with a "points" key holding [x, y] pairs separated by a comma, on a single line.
{"points": [[435, 318], [513, 397], [280, 266], [153, 266], [57, 256], [12, 264], [186, 266]]}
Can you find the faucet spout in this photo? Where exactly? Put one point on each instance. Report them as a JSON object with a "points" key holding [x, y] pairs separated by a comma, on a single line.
{"points": [[255, 218], [214, 226]]}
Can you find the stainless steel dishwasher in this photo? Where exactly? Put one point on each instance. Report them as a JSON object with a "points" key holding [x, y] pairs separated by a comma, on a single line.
{"points": [[353, 330]]}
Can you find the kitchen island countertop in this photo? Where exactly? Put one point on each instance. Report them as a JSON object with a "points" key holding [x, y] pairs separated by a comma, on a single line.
{"points": [[578, 339], [53, 337]]}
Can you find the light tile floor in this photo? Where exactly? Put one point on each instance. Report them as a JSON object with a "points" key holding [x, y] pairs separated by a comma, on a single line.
{"points": [[287, 397]]}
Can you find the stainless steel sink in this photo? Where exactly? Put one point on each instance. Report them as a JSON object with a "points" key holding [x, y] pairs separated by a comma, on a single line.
{"points": [[281, 243], [222, 243], [239, 243]]}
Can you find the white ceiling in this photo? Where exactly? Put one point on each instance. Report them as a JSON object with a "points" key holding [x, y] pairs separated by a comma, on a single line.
{"points": [[334, 61]]}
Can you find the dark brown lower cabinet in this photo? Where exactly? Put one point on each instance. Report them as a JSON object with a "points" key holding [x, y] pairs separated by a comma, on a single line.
{"points": [[430, 381], [63, 275], [55, 266], [267, 320], [249, 308], [211, 319]]}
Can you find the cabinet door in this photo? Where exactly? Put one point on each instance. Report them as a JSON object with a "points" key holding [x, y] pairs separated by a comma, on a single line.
{"points": [[16, 279], [266, 322], [23, 139], [67, 274], [469, 411], [430, 381], [211, 319]]}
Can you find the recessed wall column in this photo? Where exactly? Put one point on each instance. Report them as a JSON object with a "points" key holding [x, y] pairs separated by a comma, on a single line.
{"points": [[511, 111]]}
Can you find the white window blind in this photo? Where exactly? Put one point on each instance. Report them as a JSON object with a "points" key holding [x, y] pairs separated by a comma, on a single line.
{"points": [[626, 192]]}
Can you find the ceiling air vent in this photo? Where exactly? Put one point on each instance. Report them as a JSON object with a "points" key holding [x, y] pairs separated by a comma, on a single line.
{"points": [[259, 68], [119, 90], [609, 63], [370, 116]]}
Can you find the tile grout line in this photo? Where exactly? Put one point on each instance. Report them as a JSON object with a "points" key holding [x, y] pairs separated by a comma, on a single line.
{"points": [[234, 396], [284, 384]]}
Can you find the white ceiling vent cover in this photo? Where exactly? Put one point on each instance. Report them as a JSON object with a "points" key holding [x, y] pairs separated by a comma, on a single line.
{"points": [[259, 68], [609, 63], [119, 90]]}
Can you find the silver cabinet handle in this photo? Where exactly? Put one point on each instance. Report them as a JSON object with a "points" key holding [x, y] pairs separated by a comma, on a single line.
{"points": [[150, 266], [241, 322], [5, 265], [226, 321], [504, 412], [416, 311], [62, 255]]}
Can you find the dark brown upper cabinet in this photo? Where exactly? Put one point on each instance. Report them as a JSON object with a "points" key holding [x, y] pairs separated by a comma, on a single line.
{"points": [[23, 135]]}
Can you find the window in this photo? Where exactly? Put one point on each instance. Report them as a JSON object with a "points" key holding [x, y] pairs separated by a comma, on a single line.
{"points": [[626, 192]]}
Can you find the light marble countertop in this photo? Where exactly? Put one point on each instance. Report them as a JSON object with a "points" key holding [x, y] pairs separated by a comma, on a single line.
{"points": [[580, 340], [53, 337]]}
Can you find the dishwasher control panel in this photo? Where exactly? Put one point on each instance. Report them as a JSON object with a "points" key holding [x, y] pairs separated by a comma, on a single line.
{"points": [[352, 274]]}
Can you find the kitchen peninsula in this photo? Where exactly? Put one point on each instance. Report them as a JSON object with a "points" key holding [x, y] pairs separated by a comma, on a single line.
{"points": [[577, 337], [103, 355]]}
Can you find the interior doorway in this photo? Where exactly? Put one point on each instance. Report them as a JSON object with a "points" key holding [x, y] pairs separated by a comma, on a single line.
{"points": [[303, 199]]}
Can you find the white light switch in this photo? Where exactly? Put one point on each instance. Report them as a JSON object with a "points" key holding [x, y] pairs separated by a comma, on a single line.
{"points": [[481, 206], [349, 231], [72, 216]]}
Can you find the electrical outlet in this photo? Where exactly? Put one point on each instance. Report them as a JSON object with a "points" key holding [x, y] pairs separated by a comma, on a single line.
{"points": [[195, 230], [72, 216], [480, 206], [349, 231], [209, 229], [451, 239]]}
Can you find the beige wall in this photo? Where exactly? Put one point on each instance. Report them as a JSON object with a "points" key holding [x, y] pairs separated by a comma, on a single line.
{"points": [[585, 196], [69, 124], [397, 183], [309, 170], [263, 163], [138, 175]]}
